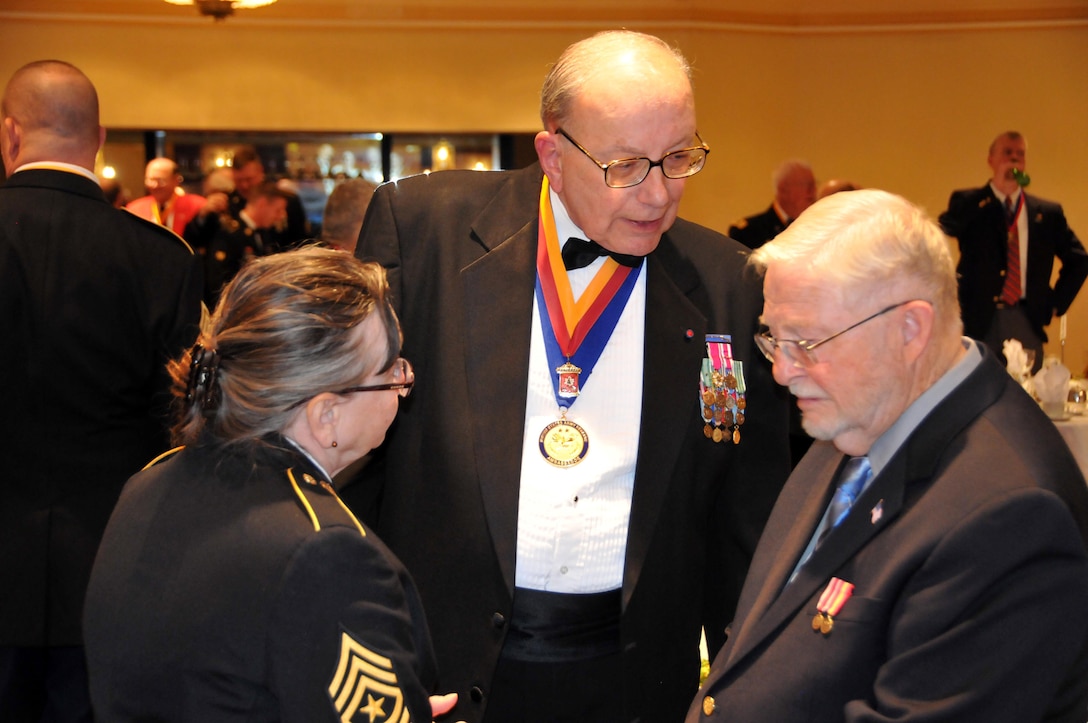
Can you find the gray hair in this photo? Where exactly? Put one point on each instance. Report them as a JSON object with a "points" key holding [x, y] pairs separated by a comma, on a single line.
{"points": [[283, 332], [865, 240], [786, 169], [589, 57], [344, 211]]}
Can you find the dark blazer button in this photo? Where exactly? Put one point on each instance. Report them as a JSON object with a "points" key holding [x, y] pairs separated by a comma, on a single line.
{"points": [[498, 620], [476, 693]]}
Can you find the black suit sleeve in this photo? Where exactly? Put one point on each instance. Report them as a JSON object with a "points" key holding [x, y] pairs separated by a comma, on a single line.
{"points": [[1074, 259]]}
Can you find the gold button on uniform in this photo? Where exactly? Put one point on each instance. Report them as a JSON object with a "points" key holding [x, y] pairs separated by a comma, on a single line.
{"points": [[708, 705]]}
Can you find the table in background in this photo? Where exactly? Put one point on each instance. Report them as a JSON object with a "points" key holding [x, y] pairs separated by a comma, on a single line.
{"points": [[1075, 432]]}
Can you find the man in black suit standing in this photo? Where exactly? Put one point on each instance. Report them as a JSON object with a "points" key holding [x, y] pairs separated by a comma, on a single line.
{"points": [[571, 533], [1008, 242], [794, 191], [95, 300], [928, 559]]}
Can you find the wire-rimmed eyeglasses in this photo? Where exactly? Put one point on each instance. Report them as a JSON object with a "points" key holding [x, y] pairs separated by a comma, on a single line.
{"points": [[799, 351], [627, 172], [404, 378]]}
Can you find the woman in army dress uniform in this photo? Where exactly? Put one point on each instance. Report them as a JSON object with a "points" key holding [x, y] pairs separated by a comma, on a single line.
{"points": [[232, 583]]}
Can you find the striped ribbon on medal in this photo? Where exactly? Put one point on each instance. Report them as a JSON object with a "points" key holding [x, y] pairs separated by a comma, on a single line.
{"points": [[831, 602], [577, 330]]}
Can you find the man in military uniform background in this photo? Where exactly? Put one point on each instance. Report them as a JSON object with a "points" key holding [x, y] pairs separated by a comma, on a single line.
{"points": [[243, 238]]}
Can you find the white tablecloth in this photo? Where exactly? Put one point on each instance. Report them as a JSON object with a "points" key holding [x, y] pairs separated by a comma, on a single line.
{"points": [[1075, 432]]}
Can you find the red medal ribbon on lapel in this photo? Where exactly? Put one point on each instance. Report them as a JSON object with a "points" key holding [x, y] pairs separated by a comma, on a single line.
{"points": [[831, 602]]}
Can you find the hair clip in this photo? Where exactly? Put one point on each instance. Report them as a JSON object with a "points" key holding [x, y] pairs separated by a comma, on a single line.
{"points": [[203, 374]]}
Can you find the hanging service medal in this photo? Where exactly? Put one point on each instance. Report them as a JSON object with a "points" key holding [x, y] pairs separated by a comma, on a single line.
{"points": [[722, 390], [575, 332], [829, 605]]}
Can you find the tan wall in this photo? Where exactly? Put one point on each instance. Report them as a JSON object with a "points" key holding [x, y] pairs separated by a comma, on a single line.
{"points": [[911, 110]]}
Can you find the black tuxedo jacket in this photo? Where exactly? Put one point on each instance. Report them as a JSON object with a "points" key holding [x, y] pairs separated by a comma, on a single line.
{"points": [[977, 219], [94, 300], [967, 556], [461, 251], [754, 231]]}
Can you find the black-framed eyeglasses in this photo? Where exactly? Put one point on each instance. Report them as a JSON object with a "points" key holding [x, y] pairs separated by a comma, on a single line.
{"points": [[627, 172], [799, 351], [404, 378]]}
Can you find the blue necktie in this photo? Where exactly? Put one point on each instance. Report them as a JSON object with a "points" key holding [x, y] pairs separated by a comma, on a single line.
{"points": [[855, 473]]}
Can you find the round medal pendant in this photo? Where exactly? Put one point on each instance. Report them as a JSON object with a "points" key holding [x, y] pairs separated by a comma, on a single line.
{"points": [[563, 443]]}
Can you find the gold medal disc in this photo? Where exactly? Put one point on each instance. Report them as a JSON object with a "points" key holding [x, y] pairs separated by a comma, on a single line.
{"points": [[563, 443]]}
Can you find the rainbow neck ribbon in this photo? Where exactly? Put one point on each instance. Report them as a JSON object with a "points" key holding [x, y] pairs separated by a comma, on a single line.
{"points": [[577, 331]]}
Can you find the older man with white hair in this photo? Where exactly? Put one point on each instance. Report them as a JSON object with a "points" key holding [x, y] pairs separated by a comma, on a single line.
{"points": [[926, 561]]}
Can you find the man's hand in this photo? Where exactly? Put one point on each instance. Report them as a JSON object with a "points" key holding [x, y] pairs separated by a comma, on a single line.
{"points": [[442, 704]]}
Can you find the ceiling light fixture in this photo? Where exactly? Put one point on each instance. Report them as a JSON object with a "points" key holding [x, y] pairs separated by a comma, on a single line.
{"points": [[221, 9]]}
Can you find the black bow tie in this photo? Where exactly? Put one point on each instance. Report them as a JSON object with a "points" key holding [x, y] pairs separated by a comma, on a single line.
{"points": [[579, 253]]}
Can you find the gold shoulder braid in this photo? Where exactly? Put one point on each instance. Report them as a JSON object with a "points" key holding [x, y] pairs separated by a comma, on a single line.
{"points": [[312, 483]]}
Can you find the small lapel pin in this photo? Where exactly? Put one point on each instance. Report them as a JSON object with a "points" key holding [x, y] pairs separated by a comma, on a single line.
{"points": [[877, 512]]}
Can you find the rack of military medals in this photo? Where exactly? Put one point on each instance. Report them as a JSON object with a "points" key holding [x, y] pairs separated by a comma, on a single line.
{"points": [[721, 390]]}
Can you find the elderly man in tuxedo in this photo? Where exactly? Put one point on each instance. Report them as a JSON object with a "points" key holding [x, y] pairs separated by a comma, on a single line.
{"points": [[595, 442], [927, 559]]}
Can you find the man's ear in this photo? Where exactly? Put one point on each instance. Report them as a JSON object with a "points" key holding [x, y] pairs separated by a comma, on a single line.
{"points": [[12, 140], [547, 150], [917, 328]]}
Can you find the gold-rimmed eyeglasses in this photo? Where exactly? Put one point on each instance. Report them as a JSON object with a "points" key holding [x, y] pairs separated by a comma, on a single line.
{"points": [[799, 351], [627, 172]]}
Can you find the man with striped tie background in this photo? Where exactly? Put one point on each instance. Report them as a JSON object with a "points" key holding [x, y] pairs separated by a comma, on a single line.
{"points": [[1008, 242]]}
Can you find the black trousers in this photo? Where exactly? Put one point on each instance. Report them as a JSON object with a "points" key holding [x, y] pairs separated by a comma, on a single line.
{"points": [[586, 691], [44, 685]]}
